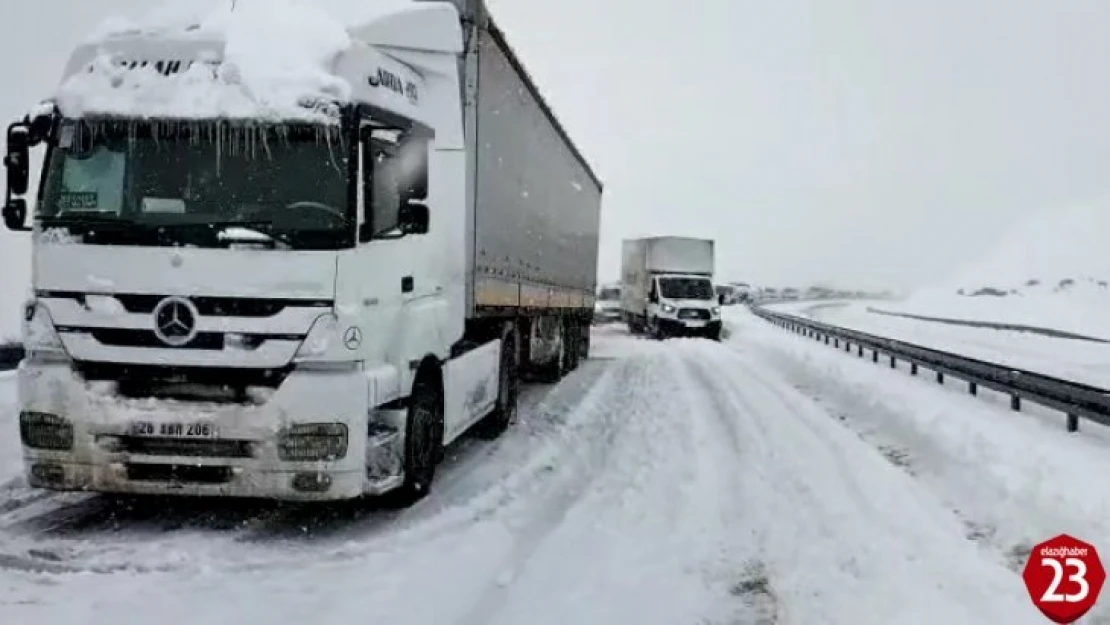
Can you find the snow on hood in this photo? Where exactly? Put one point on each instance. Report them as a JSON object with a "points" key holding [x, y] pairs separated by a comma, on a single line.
{"points": [[272, 59]]}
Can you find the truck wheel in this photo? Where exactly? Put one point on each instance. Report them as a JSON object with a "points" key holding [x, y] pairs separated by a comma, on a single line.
{"points": [[551, 372], [584, 352], [572, 333], [423, 439], [508, 389]]}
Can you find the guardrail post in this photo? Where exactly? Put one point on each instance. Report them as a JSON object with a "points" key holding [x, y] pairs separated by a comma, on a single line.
{"points": [[861, 350], [893, 362], [1015, 402], [1073, 422], [940, 377], [875, 355], [973, 388], [826, 339], [913, 368], [836, 343]]}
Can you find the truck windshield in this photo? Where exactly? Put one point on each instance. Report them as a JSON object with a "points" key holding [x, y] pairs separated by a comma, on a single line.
{"points": [[191, 183], [686, 288]]}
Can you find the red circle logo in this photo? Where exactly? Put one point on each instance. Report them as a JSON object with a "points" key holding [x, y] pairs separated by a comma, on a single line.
{"points": [[1064, 576]]}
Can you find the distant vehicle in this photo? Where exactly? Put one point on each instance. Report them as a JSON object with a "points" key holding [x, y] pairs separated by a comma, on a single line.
{"points": [[726, 294], [667, 287], [743, 291], [791, 293], [607, 307]]}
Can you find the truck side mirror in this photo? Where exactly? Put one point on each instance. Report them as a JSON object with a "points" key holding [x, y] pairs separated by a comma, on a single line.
{"points": [[15, 215], [18, 160], [414, 218]]}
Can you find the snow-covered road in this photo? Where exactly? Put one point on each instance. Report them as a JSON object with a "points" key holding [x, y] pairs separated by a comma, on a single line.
{"points": [[676, 482], [1082, 361]]}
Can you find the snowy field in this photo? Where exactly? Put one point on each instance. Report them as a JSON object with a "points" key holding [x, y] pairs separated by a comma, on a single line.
{"points": [[1049, 270], [1081, 361], [766, 480]]}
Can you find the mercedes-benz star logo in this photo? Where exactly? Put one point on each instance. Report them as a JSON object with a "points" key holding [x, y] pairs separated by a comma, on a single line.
{"points": [[352, 338], [175, 321]]}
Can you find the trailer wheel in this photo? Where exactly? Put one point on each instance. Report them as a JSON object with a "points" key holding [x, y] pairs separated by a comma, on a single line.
{"points": [[572, 334], [586, 335], [423, 438], [508, 388]]}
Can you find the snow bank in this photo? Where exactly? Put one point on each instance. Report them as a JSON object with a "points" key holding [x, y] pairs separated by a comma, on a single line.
{"points": [[276, 64], [1050, 270]]}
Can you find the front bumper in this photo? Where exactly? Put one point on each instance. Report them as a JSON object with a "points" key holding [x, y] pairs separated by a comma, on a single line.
{"points": [[240, 459], [689, 327], [607, 316]]}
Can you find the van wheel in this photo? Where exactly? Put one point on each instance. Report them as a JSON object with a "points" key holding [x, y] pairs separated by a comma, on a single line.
{"points": [[508, 389], [423, 440]]}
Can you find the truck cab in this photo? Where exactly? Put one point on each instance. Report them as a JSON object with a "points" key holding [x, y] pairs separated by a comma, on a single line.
{"points": [[276, 289], [683, 305]]}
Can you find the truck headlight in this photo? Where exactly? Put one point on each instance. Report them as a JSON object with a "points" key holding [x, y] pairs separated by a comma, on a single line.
{"points": [[307, 442], [716, 310], [320, 338], [39, 334], [667, 308], [42, 430]]}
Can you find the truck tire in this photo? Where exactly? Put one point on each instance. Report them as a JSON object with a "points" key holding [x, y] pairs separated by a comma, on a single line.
{"points": [[572, 334], [584, 353], [508, 389], [423, 439], [553, 371]]}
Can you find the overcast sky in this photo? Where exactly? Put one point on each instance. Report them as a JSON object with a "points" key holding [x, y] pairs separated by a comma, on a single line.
{"points": [[869, 143]]}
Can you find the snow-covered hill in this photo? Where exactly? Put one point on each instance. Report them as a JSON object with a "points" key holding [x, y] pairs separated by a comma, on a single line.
{"points": [[1050, 270]]}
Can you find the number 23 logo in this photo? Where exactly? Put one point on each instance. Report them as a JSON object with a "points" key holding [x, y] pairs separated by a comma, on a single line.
{"points": [[1051, 594]]}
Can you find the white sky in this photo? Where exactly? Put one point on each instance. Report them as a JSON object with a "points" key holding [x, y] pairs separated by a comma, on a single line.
{"points": [[869, 143]]}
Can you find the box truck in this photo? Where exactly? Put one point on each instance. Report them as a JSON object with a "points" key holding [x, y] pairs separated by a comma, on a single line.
{"points": [[301, 299], [667, 287]]}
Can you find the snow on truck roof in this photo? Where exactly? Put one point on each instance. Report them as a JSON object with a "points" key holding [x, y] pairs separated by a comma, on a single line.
{"points": [[275, 60]]}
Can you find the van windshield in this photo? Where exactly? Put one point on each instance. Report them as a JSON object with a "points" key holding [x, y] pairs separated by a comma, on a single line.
{"points": [[185, 183], [686, 288]]}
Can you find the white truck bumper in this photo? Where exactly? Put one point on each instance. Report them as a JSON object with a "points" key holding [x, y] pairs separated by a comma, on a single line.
{"points": [[154, 446]]}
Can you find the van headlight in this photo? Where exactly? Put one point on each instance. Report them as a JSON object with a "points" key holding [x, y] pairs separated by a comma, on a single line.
{"points": [[716, 310], [667, 308], [39, 335]]}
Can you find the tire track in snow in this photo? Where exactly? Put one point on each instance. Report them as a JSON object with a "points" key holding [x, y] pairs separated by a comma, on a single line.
{"points": [[831, 503]]}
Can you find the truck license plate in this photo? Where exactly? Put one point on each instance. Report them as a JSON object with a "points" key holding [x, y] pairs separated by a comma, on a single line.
{"points": [[690, 323], [174, 430]]}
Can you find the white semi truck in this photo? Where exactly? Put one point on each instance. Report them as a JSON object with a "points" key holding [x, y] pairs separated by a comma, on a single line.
{"points": [[301, 304], [667, 287]]}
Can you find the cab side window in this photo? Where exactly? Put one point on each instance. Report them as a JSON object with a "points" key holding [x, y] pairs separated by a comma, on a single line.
{"points": [[394, 172]]}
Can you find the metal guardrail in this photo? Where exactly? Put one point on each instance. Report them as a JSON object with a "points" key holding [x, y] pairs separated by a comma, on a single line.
{"points": [[992, 325], [1072, 398]]}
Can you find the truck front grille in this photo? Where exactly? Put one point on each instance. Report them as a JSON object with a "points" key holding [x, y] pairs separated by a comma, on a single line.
{"points": [[178, 473], [186, 448], [693, 313], [207, 306], [119, 337]]}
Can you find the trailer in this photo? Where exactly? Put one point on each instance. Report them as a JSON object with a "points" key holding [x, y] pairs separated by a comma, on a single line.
{"points": [[300, 290]]}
